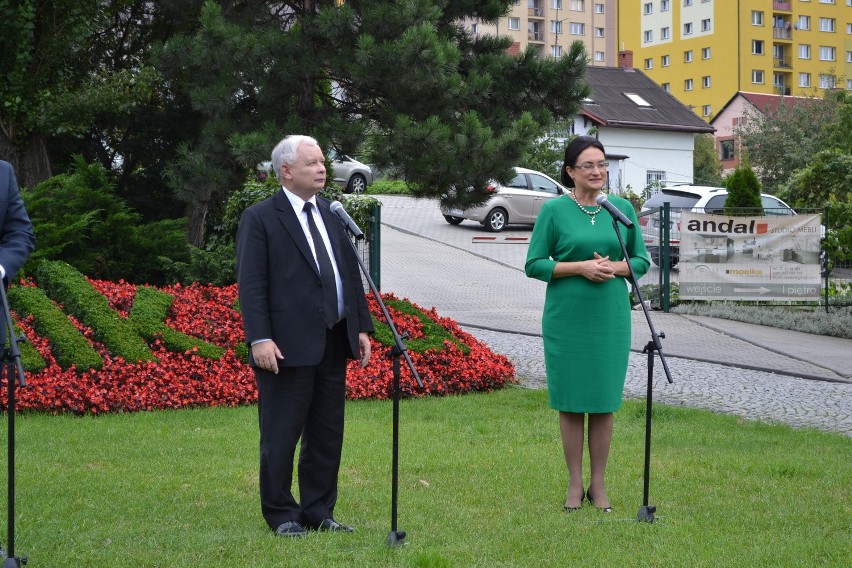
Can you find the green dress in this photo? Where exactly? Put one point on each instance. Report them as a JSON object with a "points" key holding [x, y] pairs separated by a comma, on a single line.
{"points": [[585, 325]]}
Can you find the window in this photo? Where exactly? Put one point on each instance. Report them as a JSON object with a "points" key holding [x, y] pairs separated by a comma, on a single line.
{"points": [[826, 24], [804, 51], [757, 76], [687, 2], [649, 63], [599, 8], [804, 79], [474, 29], [648, 8], [665, 33], [687, 56], [757, 47], [556, 4], [705, 25], [665, 5], [687, 28], [706, 110], [804, 22], [826, 81], [687, 85], [756, 18], [599, 32], [705, 82], [556, 26], [578, 5], [667, 87], [655, 176], [849, 57], [599, 56], [556, 51], [726, 150], [826, 53], [648, 36], [665, 60], [849, 28], [514, 23], [826, 1], [849, 81], [577, 29], [705, 53]]}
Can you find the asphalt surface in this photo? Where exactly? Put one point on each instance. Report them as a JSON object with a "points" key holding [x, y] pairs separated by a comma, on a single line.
{"points": [[476, 278]]}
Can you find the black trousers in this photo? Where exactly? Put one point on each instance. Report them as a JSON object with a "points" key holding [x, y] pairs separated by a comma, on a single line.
{"points": [[304, 403]]}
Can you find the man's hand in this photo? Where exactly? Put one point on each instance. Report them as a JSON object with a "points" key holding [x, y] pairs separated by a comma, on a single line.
{"points": [[266, 356], [364, 344]]}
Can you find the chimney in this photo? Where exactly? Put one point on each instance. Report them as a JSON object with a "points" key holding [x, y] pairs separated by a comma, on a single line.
{"points": [[625, 59]]}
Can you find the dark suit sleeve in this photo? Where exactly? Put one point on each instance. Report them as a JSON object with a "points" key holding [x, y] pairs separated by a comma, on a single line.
{"points": [[17, 239], [253, 276]]}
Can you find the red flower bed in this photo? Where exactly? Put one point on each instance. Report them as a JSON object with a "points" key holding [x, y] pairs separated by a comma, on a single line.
{"points": [[180, 380]]}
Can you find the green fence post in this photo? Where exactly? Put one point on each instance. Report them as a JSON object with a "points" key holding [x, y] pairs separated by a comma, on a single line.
{"points": [[376, 245]]}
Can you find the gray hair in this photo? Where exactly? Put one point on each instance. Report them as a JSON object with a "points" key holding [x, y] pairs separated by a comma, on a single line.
{"points": [[285, 151]]}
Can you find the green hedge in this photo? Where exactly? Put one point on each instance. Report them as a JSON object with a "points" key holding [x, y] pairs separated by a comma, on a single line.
{"points": [[67, 286], [148, 316], [69, 346]]}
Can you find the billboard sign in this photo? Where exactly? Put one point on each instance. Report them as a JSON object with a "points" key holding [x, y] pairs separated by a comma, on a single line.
{"points": [[749, 258]]}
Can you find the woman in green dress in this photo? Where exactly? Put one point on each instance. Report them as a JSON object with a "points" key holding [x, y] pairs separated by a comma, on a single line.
{"points": [[586, 320]]}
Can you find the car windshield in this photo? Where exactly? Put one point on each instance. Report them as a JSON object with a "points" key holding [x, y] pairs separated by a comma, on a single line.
{"points": [[676, 199]]}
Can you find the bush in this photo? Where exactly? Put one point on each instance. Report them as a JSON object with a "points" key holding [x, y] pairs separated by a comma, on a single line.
{"points": [[79, 220]]}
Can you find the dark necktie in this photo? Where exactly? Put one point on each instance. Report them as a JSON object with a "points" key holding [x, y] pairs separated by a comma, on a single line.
{"points": [[329, 287]]}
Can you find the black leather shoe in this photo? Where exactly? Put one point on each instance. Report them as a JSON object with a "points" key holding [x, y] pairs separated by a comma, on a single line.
{"points": [[331, 525], [291, 529]]}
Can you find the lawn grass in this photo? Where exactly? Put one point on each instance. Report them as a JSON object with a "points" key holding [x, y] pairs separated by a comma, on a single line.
{"points": [[482, 482]]}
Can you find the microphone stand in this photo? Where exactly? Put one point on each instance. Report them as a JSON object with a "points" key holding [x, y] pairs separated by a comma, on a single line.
{"points": [[396, 537], [14, 371], [646, 512]]}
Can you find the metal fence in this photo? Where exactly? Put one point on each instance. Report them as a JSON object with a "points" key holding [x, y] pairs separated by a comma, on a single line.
{"points": [[369, 248], [661, 284]]}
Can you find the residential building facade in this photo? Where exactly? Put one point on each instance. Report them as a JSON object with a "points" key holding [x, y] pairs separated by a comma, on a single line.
{"points": [[705, 51], [552, 25]]}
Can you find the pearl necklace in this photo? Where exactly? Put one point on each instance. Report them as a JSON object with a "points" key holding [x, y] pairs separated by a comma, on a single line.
{"points": [[584, 210]]}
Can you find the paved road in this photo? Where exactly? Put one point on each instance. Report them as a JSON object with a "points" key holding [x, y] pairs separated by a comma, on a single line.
{"points": [[751, 371]]}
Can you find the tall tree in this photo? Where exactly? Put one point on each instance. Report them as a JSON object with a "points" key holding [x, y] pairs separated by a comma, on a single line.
{"points": [[706, 167], [780, 141], [442, 107]]}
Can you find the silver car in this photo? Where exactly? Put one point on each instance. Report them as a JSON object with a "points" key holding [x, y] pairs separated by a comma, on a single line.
{"points": [[350, 173], [516, 203]]}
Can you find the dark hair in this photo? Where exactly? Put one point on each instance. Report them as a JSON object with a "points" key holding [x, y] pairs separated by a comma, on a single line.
{"points": [[573, 151]]}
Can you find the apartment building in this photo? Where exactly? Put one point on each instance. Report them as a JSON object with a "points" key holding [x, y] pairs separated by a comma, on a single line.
{"points": [[705, 51], [552, 25]]}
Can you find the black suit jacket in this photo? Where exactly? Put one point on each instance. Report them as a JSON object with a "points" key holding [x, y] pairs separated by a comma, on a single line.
{"points": [[279, 285], [17, 240]]}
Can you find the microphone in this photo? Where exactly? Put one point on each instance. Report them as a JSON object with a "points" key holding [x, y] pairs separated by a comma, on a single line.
{"points": [[337, 209], [613, 210]]}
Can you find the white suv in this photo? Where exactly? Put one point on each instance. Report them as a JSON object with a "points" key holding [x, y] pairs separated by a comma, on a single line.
{"points": [[696, 198]]}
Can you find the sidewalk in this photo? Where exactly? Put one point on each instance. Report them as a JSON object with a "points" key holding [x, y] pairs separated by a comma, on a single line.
{"points": [[483, 286]]}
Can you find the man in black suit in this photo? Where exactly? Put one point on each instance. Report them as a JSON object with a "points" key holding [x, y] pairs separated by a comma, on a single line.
{"points": [[17, 240], [303, 322]]}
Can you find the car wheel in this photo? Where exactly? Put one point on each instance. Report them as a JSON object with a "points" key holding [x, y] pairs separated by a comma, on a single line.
{"points": [[496, 220], [357, 184], [453, 220]]}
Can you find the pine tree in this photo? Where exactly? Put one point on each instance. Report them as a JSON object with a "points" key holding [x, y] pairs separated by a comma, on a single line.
{"points": [[743, 193]]}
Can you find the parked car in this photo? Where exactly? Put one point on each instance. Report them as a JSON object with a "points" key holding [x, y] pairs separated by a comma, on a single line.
{"points": [[353, 175], [516, 203], [348, 172], [696, 198]]}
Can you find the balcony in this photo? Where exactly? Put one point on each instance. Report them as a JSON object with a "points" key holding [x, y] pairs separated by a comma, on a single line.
{"points": [[535, 36], [782, 90], [782, 63], [782, 6], [536, 12], [782, 33]]}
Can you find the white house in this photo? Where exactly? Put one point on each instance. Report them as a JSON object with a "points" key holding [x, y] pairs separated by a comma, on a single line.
{"points": [[648, 134]]}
